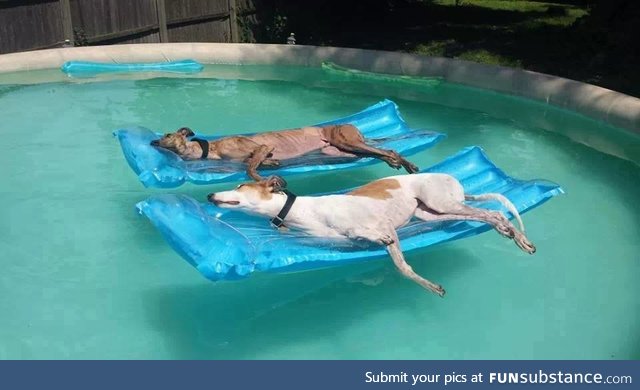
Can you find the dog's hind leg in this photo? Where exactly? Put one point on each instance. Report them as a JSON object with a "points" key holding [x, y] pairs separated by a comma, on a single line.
{"points": [[462, 212], [442, 198], [503, 200], [348, 138], [392, 244], [257, 158]]}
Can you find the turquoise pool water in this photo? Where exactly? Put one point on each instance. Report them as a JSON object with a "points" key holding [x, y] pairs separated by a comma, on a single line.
{"points": [[84, 277]]}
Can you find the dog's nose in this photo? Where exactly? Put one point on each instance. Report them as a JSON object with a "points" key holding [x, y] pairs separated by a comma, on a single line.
{"points": [[212, 197], [155, 142]]}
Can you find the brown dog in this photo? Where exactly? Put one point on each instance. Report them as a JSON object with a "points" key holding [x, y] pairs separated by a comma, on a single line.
{"points": [[266, 149]]}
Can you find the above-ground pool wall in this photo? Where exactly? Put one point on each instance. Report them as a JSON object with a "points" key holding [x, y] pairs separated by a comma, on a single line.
{"points": [[611, 107]]}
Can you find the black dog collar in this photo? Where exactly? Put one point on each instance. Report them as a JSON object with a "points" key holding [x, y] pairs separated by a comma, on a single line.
{"points": [[278, 220], [204, 144]]}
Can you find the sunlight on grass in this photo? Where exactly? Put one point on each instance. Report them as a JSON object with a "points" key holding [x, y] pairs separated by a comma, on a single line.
{"points": [[434, 48], [439, 49], [509, 5], [564, 14], [486, 57], [571, 15], [537, 16]]}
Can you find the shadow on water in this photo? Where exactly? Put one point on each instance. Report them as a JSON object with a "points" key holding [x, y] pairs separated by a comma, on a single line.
{"points": [[238, 320]]}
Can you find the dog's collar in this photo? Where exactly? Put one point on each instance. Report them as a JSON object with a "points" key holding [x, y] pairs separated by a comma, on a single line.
{"points": [[278, 220], [204, 144]]}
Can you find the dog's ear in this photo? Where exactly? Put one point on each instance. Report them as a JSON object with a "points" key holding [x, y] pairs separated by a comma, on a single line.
{"points": [[185, 131], [276, 183]]}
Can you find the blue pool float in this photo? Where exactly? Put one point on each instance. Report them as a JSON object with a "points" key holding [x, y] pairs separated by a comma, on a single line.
{"points": [[380, 123], [85, 68], [225, 244]]}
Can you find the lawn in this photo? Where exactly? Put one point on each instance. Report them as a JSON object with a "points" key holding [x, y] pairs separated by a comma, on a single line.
{"points": [[497, 32], [548, 37]]}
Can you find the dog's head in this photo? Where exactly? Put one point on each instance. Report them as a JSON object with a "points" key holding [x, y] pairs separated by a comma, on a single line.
{"points": [[176, 142], [253, 196]]}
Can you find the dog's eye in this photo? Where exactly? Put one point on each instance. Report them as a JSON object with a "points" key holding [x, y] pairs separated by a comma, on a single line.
{"points": [[240, 186]]}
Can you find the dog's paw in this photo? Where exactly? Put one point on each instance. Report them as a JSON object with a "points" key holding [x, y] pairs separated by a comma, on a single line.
{"points": [[386, 240], [440, 291], [528, 247], [395, 164], [524, 244], [277, 183], [411, 168], [271, 163]]}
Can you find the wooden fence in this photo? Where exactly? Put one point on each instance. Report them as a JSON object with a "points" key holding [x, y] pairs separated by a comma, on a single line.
{"points": [[40, 24]]}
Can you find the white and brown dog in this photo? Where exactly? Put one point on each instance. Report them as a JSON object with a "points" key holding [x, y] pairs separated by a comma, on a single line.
{"points": [[373, 212]]}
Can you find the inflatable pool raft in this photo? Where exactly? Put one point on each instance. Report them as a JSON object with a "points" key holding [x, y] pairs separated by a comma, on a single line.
{"points": [[354, 74], [87, 69], [380, 123], [225, 244]]}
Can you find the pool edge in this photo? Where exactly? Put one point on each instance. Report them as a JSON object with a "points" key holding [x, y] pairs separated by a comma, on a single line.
{"points": [[615, 108]]}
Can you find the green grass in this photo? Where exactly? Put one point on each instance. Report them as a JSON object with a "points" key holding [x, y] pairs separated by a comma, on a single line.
{"points": [[438, 49], [487, 57], [543, 36], [433, 48], [518, 5], [560, 15]]}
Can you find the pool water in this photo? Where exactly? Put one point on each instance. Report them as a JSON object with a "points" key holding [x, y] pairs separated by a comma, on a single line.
{"points": [[84, 277]]}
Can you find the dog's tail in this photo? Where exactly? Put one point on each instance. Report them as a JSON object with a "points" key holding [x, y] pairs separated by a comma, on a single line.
{"points": [[502, 199]]}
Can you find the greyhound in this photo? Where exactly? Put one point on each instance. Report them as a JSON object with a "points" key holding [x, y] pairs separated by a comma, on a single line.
{"points": [[374, 211], [266, 149]]}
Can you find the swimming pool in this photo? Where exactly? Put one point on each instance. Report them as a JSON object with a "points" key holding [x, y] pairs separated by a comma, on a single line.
{"points": [[85, 277]]}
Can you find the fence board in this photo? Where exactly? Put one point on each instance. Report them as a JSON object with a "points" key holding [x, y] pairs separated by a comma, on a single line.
{"points": [[178, 9], [67, 25], [36, 24], [198, 21], [145, 38], [28, 25], [233, 20], [162, 20], [213, 31], [106, 19]]}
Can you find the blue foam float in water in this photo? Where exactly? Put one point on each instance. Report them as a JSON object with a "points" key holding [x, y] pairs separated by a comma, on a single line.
{"points": [[87, 69], [380, 123], [226, 244]]}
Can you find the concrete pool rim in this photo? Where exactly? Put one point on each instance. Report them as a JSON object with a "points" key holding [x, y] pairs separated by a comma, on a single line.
{"points": [[611, 107]]}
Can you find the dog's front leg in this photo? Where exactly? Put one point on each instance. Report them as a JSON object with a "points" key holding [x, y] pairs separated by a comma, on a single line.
{"points": [[392, 245], [257, 157]]}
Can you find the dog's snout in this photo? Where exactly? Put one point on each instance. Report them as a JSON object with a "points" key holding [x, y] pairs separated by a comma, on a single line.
{"points": [[212, 197], [155, 142]]}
